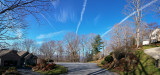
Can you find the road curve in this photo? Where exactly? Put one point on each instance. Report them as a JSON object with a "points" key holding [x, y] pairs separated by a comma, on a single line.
{"points": [[153, 52], [85, 69]]}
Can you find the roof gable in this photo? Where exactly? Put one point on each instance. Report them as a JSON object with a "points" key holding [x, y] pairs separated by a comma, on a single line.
{"points": [[22, 53], [4, 52]]}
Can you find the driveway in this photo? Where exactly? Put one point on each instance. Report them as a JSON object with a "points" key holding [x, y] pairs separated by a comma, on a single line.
{"points": [[153, 52], [85, 69], [27, 72]]}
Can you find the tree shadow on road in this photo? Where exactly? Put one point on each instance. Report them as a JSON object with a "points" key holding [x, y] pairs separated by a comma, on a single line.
{"points": [[102, 71]]}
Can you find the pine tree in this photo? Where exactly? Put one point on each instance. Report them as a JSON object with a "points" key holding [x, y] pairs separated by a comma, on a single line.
{"points": [[97, 45]]}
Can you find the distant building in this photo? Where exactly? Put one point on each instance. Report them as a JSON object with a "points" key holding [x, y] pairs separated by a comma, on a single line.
{"points": [[15, 58], [146, 42], [154, 37]]}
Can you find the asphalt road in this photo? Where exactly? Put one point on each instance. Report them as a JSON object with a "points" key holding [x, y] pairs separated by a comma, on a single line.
{"points": [[153, 52], [27, 72], [85, 69]]}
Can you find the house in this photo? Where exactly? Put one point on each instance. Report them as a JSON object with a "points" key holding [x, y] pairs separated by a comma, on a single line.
{"points": [[27, 58], [15, 58], [22, 54], [154, 37], [30, 59], [9, 58], [146, 42]]}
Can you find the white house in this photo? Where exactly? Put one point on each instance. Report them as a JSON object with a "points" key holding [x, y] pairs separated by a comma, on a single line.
{"points": [[146, 42], [154, 36]]}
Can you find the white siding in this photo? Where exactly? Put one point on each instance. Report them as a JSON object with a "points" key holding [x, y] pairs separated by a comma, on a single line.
{"points": [[145, 42]]}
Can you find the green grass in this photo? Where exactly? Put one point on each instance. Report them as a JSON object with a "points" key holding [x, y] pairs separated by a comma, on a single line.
{"points": [[58, 70], [149, 46], [146, 65]]}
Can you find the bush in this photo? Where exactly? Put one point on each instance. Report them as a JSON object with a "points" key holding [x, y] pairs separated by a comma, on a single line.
{"points": [[108, 58], [49, 67], [50, 60], [12, 68], [11, 71], [103, 62], [110, 53], [121, 55]]}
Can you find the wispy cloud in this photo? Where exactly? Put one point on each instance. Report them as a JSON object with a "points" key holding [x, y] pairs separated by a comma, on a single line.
{"points": [[63, 12], [96, 19], [83, 10], [62, 16], [55, 3], [49, 35], [40, 42], [19, 33], [143, 7]]}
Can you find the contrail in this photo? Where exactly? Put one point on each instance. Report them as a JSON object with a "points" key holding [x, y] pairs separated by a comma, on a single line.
{"points": [[48, 21], [45, 19], [83, 10], [145, 6]]}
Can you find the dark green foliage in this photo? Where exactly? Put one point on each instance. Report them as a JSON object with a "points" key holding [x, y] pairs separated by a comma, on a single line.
{"points": [[50, 60], [12, 68], [121, 55], [11, 71], [97, 45], [108, 58], [111, 53], [103, 62]]}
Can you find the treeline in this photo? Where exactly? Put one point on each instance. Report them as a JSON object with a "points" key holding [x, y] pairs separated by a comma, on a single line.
{"points": [[84, 48], [73, 48]]}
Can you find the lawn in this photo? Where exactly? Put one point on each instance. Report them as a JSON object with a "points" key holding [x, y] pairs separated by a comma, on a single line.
{"points": [[58, 70], [146, 65], [150, 46]]}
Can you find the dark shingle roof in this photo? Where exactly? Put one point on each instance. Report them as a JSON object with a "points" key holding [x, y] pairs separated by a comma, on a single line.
{"points": [[4, 52], [28, 56], [21, 53]]}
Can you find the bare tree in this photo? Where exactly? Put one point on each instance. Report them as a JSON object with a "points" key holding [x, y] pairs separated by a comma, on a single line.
{"points": [[127, 32], [116, 37], [83, 43], [28, 44], [60, 51], [150, 28], [17, 46], [144, 31], [88, 44], [35, 49], [135, 6], [72, 43], [13, 13], [48, 49]]}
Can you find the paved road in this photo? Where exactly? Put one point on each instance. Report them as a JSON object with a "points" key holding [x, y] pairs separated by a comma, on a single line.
{"points": [[153, 52], [27, 72], [85, 69]]}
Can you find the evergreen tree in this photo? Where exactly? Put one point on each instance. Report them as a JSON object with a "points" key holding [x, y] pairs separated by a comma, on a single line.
{"points": [[97, 45]]}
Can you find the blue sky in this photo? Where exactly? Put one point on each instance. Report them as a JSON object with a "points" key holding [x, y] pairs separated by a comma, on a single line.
{"points": [[99, 16]]}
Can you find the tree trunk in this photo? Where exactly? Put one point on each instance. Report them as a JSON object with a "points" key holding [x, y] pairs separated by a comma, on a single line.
{"points": [[138, 37]]}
